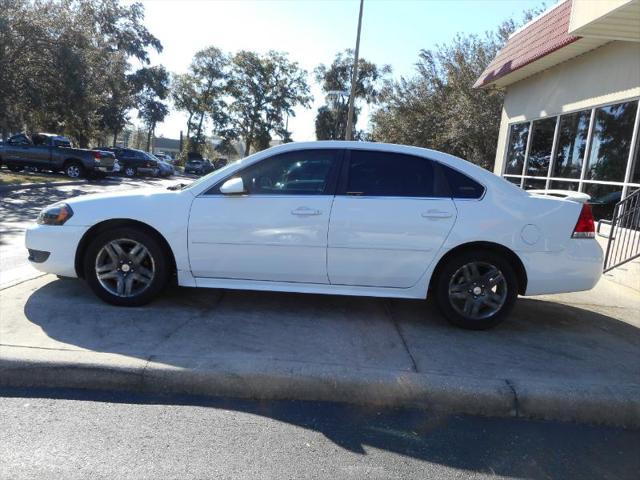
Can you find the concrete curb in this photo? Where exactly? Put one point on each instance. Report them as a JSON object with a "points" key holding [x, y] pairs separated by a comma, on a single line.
{"points": [[246, 377]]}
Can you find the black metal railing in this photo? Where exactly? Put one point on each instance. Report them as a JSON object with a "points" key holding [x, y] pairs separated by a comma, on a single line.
{"points": [[623, 243]]}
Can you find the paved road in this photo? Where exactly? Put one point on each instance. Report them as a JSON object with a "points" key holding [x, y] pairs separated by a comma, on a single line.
{"points": [[19, 208], [71, 434]]}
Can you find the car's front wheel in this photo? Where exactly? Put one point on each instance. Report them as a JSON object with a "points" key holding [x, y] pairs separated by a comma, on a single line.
{"points": [[126, 266], [476, 289]]}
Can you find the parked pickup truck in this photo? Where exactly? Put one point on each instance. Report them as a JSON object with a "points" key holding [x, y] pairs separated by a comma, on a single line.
{"points": [[46, 151]]}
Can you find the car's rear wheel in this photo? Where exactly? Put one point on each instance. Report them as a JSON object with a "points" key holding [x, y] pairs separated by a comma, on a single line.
{"points": [[130, 171], [126, 266], [476, 289], [74, 170]]}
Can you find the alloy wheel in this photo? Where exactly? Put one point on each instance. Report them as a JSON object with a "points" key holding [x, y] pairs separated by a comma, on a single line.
{"points": [[125, 267], [477, 290], [73, 171]]}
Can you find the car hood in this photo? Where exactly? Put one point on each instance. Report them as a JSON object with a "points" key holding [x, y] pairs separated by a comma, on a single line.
{"points": [[149, 205], [136, 195]]}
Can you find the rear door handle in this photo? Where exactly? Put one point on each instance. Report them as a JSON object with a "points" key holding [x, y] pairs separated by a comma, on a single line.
{"points": [[435, 214], [305, 211]]}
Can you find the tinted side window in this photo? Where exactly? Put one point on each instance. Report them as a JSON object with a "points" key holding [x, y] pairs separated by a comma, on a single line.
{"points": [[305, 172], [19, 140], [383, 174], [461, 185]]}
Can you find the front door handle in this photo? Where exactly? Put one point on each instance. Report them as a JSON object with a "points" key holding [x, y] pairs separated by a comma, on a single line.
{"points": [[305, 211], [435, 214]]}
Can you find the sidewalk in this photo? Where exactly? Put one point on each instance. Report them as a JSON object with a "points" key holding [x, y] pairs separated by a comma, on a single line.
{"points": [[578, 360]]}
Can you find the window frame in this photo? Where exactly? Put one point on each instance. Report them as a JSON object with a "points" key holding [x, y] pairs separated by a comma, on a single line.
{"points": [[626, 184], [330, 188]]}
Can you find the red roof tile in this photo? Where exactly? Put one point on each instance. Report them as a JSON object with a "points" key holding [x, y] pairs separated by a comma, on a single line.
{"points": [[542, 37]]}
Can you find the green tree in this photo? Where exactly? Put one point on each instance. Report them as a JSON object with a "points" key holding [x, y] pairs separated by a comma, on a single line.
{"points": [[152, 84], [200, 93], [335, 81], [210, 70], [63, 64], [263, 91], [184, 97]]}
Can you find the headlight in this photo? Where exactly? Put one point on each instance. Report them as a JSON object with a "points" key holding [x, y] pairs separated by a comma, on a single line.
{"points": [[56, 214]]}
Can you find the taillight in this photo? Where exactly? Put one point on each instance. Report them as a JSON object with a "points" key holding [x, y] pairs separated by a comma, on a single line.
{"points": [[97, 155], [585, 228]]}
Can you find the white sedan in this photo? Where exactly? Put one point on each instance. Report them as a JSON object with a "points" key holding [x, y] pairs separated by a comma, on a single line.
{"points": [[346, 218]]}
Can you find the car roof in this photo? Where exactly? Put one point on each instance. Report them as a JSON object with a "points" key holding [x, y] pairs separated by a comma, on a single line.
{"points": [[52, 135]]}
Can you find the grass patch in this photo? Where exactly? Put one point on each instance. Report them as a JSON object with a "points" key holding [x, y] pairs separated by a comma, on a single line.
{"points": [[10, 178]]}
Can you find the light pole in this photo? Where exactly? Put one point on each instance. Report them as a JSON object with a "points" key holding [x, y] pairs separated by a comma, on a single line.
{"points": [[354, 78]]}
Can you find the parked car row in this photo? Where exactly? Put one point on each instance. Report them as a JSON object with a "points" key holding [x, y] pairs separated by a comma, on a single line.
{"points": [[55, 153]]}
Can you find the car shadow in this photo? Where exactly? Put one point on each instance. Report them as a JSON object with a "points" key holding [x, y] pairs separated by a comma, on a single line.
{"points": [[354, 330]]}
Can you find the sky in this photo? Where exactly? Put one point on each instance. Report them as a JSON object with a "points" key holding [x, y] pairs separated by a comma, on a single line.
{"points": [[313, 31]]}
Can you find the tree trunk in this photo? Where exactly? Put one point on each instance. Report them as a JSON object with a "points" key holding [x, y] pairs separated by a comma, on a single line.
{"points": [[200, 127], [115, 138], [151, 128], [249, 139], [189, 126]]}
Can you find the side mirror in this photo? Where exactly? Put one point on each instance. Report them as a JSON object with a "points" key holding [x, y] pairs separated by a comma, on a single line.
{"points": [[232, 186]]}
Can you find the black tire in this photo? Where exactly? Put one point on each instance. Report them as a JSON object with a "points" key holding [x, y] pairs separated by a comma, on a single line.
{"points": [[156, 252], [15, 168], [506, 290], [74, 170], [130, 172]]}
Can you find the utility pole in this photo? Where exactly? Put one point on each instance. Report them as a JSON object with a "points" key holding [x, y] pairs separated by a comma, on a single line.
{"points": [[354, 78]]}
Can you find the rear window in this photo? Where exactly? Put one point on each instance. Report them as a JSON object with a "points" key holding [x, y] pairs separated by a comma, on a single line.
{"points": [[461, 185]]}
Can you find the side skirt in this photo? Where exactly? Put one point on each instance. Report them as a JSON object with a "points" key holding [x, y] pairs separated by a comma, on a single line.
{"points": [[293, 287]]}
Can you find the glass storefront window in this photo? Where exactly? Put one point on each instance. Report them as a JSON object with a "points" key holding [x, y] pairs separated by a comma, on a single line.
{"points": [[603, 198], [572, 144], [534, 183], [516, 148], [558, 185], [611, 141], [606, 154], [540, 149], [635, 173], [514, 180]]}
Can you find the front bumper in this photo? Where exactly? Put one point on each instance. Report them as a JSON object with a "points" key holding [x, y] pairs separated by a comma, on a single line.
{"points": [[578, 267], [60, 241]]}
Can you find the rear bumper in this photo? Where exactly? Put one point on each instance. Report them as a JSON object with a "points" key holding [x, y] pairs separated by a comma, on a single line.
{"points": [[576, 268], [61, 242]]}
